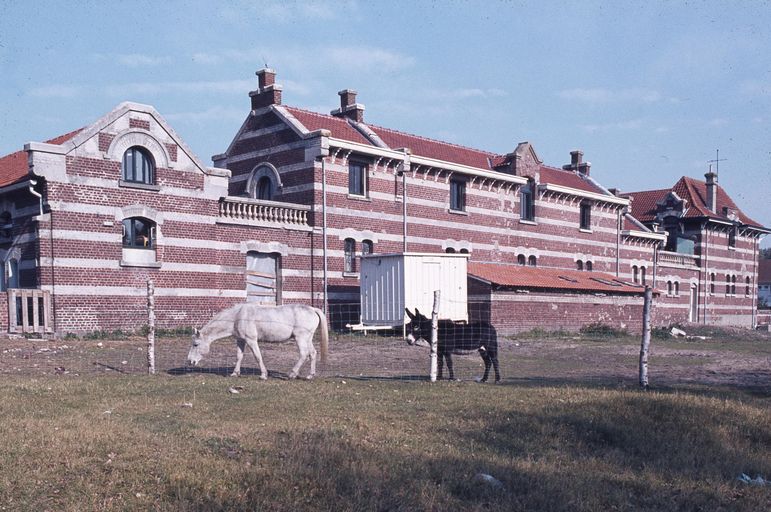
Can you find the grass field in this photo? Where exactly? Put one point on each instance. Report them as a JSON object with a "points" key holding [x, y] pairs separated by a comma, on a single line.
{"points": [[186, 442]]}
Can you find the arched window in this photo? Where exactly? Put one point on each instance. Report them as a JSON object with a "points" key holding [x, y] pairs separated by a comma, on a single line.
{"points": [[579, 265], [464, 251], [669, 287], [588, 266], [677, 289], [642, 275], [264, 188], [531, 261], [727, 284], [366, 247], [733, 285], [712, 283], [635, 274], [138, 166], [350, 255], [450, 250], [521, 259], [747, 286], [138, 233]]}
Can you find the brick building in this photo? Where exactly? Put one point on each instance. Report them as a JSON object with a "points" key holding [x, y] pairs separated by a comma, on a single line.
{"points": [[297, 196]]}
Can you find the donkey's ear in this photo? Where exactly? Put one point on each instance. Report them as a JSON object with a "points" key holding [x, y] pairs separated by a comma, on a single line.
{"points": [[417, 313], [412, 317]]}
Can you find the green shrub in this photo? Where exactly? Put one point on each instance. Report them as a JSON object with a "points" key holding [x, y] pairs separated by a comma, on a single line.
{"points": [[600, 330]]}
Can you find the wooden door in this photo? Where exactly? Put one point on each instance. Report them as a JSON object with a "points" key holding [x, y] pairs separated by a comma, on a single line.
{"points": [[263, 278]]}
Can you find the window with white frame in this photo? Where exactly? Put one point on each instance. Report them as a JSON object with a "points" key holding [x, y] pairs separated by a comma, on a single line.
{"points": [[669, 288], [677, 288], [367, 247]]}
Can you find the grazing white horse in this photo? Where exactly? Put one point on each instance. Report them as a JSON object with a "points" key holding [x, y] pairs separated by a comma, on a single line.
{"points": [[249, 323]]}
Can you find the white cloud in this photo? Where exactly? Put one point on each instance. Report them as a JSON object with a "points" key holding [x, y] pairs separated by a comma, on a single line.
{"points": [[603, 95], [56, 91], [632, 124], [216, 113], [221, 86], [137, 59]]}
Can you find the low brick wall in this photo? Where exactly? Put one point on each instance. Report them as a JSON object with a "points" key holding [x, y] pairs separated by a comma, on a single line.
{"points": [[4, 327]]}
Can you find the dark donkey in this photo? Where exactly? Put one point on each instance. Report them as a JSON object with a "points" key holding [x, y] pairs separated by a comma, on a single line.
{"points": [[456, 338]]}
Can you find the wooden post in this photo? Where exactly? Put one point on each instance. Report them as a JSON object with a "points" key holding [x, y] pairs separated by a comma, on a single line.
{"points": [[434, 335], [646, 337], [151, 327]]}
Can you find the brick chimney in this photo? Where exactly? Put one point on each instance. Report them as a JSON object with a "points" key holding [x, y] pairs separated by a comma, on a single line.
{"points": [[268, 91], [577, 163], [711, 190], [348, 106]]}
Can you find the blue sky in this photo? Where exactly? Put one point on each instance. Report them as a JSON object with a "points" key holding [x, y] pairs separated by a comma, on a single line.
{"points": [[648, 90]]}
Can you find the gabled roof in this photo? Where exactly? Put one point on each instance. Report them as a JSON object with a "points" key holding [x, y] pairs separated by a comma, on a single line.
{"points": [[695, 193], [568, 179], [14, 167], [764, 271], [519, 276]]}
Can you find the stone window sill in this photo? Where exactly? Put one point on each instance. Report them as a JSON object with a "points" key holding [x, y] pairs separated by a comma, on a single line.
{"points": [[457, 212], [141, 186], [141, 264], [359, 198]]}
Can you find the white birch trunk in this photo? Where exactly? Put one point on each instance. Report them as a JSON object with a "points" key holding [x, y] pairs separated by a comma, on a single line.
{"points": [[646, 337], [151, 327], [434, 335]]}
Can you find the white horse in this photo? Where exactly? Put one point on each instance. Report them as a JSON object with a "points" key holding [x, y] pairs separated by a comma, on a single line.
{"points": [[249, 323]]}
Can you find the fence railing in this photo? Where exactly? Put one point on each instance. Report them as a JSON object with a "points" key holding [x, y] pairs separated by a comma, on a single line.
{"points": [[29, 311], [676, 258], [238, 210]]}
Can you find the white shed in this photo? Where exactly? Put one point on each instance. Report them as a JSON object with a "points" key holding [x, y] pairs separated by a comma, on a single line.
{"points": [[391, 282]]}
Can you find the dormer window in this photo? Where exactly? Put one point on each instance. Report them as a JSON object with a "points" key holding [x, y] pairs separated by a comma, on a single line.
{"points": [[138, 166]]}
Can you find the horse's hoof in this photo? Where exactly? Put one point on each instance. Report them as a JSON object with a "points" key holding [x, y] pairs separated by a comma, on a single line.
{"points": [[234, 374], [309, 377], [263, 377], [292, 376]]}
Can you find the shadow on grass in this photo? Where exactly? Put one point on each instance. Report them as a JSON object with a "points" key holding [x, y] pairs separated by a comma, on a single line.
{"points": [[611, 453]]}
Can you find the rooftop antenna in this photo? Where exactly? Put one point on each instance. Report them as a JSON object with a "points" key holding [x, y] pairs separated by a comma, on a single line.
{"points": [[716, 161], [265, 61]]}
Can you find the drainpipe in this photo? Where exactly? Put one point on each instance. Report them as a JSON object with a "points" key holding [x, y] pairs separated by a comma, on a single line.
{"points": [[753, 290], [324, 230], [618, 242], [404, 209], [705, 268]]}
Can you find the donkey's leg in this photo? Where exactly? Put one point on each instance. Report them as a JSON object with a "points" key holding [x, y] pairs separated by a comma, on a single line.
{"points": [[448, 357], [441, 365], [304, 344], [258, 355], [240, 344], [494, 357], [488, 362]]}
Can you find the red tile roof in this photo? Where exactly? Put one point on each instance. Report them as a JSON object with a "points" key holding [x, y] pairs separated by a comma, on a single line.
{"points": [[764, 271], [695, 193], [431, 148], [14, 167], [568, 179], [551, 278], [339, 127]]}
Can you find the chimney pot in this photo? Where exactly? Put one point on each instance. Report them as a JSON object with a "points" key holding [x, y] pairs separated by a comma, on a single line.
{"points": [[576, 157], [711, 181], [347, 98], [266, 77]]}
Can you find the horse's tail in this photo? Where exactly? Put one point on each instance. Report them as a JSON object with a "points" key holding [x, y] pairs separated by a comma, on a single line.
{"points": [[324, 334]]}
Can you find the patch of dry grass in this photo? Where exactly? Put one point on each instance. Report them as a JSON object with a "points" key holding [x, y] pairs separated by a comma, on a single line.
{"points": [[130, 443]]}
